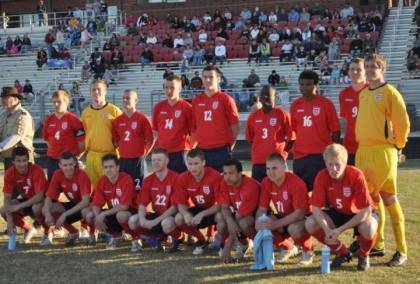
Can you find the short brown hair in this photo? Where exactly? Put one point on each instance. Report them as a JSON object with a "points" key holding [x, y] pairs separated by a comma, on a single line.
{"points": [[61, 93], [213, 68], [171, 78], [276, 157], [376, 57], [160, 151]]}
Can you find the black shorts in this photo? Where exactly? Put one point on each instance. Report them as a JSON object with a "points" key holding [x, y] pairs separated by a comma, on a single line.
{"points": [[112, 223], [340, 219], [74, 217], [51, 165], [177, 162], [259, 172], [308, 167], [27, 211], [135, 168], [206, 221], [351, 160], [158, 230], [217, 157]]}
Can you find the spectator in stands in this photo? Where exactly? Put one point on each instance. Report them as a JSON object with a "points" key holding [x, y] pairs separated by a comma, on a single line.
{"points": [[274, 35], [114, 42], [274, 78], [253, 80], [184, 81], [2, 46], [85, 75], [176, 23], [416, 44], [202, 36], [351, 28], [142, 39], [301, 57], [272, 18], [18, 42], [254, 51], [107, 47], [85, 37], [335, 74], [59, 39], [307, 33], [221, 33], [49, 40], [28, 92], [346, 11], [412, 61], [369, 45], [42, 58], [356, 46], [178, 41], [293, 16], [9, 43], [167, 41], [245, 14], [189, 27], [91, 26], [168, 72], [198, 55], [98, 69], [286, 51], [132, 30], [334, 50], [117, 59], [219, 53], [18, 87], [196, 82], [321, 60], [253, 34], [76, 98], [142, 20], [151, 39], [316, 10], [304, 15], [207, 18], [196, 22], [187, 58], [282, 16], [209, 54], [146, 57], [344, 74], [188, 40], [265, 51], [42, 13]]}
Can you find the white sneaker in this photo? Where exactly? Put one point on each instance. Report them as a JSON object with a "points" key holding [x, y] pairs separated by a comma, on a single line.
{"points": [[47, 240], [27, 236], [284, 254], [113, 242], [240, 250], [83, 234], [136, 245], [306, 257], [59, 232], [199, 249]]}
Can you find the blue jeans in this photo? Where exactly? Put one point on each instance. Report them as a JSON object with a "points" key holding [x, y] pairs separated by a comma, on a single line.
{"points": [[197, 60], [144, 61]]}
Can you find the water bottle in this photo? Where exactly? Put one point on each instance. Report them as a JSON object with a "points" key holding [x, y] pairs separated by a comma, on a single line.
{"points": [[325, 262], [11, 246]]}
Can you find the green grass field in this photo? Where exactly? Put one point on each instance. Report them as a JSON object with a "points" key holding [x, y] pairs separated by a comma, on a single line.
{"points": [[81, 264]]}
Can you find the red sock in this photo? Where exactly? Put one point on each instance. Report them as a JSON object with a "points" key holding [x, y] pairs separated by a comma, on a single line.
{"points": [[338, 247], [92, 229], [116, 234], [69, 227], [244, 241], [210, 231], [20, 221], [41, 220], [305, 243], [193, 231], [176, 234], [83, 224], [127, 229], [281, 241], [366, 245]]}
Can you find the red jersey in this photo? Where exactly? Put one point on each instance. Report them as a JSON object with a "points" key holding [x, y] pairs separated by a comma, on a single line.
{"points": [[313, 123], [122, 192], [288, 197], [25, 185], [203, 193], [173, 125], [158, 193], [268, 132], [75, 188], [244, 199], [131, 134], [212, 120], [349, 107], [63, 134], [347, 196]]}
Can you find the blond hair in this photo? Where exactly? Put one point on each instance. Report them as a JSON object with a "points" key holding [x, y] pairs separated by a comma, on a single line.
{"points": [[61, 93], [377, 58], [336, 151]]}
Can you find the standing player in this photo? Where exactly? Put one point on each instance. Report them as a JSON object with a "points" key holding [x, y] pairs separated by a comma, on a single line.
{"points": [[97, 122], [382, 128], [268, 130], [342, 190], [288, 195], [132, 133], [172, 120], [215, 120], [62, 131], [198, 186], [349, 105], [157, 190], [241, 193], [316, 125], [75, 185], [24, 187], [116, 190]]}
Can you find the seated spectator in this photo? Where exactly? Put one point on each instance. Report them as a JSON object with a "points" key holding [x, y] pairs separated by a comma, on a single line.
{"points": [[18, 43], [189, 27], [196, 82], [356, 47], [2, 46], [117, 59], [18, 87], [207, 18], [335, 74], [9, 43], [369, 45], [286, 51], [142, 39], [188, 40], [272, 18], [346, 11], [245, 14], [85, 75], [107, 46], [167, 41], [334, 50], [196, 22], [282, 16], [202, 36], [301, 57], [114, 42], [176, 23], [142, 20], [412, 60], [209, 54], [283, 83], [321, 60], [65, 54], [274, 78], [42, 58], [85, 37], [76, 98], [254, 51], [132, 30], [99, 69], [304, 15], [416, 44], [151, 39], [168, 72], [91, 26], [253, 33], [344, 74], [242, 98], [253, 79], [307, 33], [351, 28], [265, 50], [219, 53], [178, 41], [198, 55], [187, 56], [59, 39], [274, 35], [13, 50], [146, 57], [255, 103], [28, 92], [184, 81], [293, 16]]}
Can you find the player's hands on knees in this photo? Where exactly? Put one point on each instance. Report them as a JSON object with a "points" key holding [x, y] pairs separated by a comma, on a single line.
{"points": [[13, 208], [100, 222], [49, 220], [61, 220], [331, 236], [197, 219], [234, 229], [188, 218]]}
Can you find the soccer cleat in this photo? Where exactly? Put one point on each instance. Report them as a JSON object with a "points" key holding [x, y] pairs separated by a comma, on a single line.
{"points": [[113, 242], [199, 249], [27, 236], [240, 251], [377, 252], [71, 239], [104, 237], [306, 257], [217, 243], [398, 259], [354, 247], [83, 233], [340, 259], [47, 240], [364, 263], [92, 239], [59, 233], [285, 254], [136, 245], [177, 246]]}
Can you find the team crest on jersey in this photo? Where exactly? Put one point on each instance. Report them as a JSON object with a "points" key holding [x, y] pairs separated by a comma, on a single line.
{"points": [[118, 191], [346, 191], [134, 125], [206, 189], [378, 97], [215, 105], [74, 187], [178, 113], [316, 111], [273, 121], [285, 195], [168, 189], [64, 125], [107, 115]]}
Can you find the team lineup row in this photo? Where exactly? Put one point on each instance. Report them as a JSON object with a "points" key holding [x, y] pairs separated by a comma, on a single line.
{"points": [[211, 123]]}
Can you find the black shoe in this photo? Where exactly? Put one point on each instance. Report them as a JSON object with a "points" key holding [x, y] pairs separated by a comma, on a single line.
{"points": [[340, 259], [354, 247], [364, 263], [377, 252], [177, 246], [397, 259]]}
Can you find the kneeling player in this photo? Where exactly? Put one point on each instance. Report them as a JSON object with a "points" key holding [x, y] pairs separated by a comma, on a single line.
{"points": [[116, 190], [288, 193], [24, 187], [341, 201], [200, 185], [240, 193], [75, 185], [157, 190]]}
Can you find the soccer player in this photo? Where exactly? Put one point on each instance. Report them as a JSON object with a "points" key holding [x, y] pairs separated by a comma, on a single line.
{"points": [[215, 120], [116, 190], [341, 201], [157, 190], [132, 133], [349, 105], [63, 132], [240, 193], [268, 130], [75, 185], [97, 122], [382, 128], [172, 122], [198, 186], [316, 125], [24, 187], [289, 198]]}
